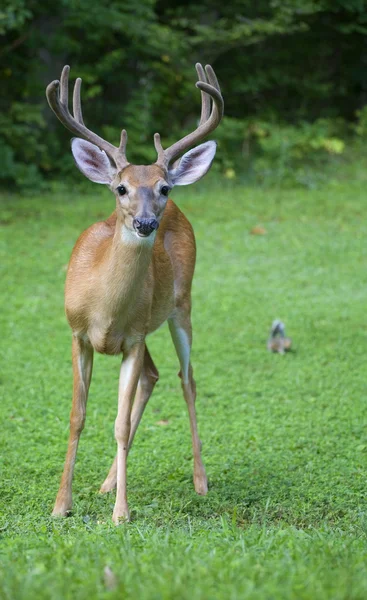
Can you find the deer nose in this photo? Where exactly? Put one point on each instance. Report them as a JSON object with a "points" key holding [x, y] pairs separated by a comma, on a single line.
{"points": [[145, 227]]}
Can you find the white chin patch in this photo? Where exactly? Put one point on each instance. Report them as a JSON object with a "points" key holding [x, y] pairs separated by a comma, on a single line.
{"points": [[131, 237]]}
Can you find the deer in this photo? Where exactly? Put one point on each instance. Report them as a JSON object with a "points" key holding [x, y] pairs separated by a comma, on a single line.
{"points": [[131, 273]]}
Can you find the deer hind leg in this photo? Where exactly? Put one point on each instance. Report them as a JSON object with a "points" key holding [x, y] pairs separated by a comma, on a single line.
{"points": [[82, 353], [148, 378], [181, 332]]}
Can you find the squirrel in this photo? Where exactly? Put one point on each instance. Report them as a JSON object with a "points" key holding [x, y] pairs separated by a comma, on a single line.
{"points": [[277, 341]]}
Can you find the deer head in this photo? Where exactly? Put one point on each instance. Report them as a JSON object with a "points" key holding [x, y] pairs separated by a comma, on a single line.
{"points": [[141, 191]]}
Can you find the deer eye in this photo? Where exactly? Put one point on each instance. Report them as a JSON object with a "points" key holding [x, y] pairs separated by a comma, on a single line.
{"points": [[165, 190], [121, 190]]}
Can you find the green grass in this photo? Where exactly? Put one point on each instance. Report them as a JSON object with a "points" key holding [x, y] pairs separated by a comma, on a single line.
{"points": [[284, 437]]}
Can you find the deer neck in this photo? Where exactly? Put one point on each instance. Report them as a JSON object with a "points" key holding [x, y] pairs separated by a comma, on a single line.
{"points": [[128, 264]]}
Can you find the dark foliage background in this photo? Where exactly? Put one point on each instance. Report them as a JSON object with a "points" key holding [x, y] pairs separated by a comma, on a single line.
{"points": [[293, 75]]}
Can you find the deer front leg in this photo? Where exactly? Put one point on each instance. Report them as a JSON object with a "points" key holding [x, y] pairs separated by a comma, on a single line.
{"points": [[82, 353], [148, 378], [129, 376]]}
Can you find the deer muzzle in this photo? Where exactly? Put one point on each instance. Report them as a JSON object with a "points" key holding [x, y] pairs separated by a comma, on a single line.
{"points": [[144, 227]]}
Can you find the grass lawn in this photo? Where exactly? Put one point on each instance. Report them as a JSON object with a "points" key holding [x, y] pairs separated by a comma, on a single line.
{"points": [[284, 437]]}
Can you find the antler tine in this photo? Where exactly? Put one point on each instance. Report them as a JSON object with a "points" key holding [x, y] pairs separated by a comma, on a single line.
{"points": [[205, 127], [123, 142], [64, 86], [159, 148], [57, 96], [205, 99], [212, 77], [77, 106], [215, 88]]}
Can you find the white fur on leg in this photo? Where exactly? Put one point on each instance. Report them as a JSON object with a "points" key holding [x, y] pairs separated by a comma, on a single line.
{"points": [[129, 376]]}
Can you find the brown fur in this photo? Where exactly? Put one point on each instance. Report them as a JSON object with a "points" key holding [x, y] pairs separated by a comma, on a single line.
{"points": [[121, 287], [118, 290], [105, 306]]}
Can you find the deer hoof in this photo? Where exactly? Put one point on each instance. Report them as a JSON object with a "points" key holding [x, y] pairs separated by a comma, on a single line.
{"points": [[107, 486], [201, 484], [120, 517]]}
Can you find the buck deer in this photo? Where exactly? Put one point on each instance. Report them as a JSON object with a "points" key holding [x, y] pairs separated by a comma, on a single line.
{"points": [[131, 273]]}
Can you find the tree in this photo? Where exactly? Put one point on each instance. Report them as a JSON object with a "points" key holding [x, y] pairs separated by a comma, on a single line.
{"points": [[278, 62]]}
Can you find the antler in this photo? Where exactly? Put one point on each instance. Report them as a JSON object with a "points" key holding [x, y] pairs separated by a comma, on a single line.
{"points": [[57, 93], [210, 119]]}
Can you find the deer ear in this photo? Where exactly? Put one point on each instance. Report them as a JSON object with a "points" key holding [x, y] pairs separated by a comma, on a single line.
{"points": [[92, 161], [194, 164]]}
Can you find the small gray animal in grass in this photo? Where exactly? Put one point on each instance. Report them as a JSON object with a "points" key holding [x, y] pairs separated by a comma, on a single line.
{"points": [[277, 341]]}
